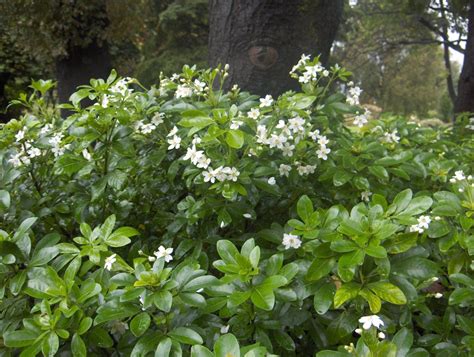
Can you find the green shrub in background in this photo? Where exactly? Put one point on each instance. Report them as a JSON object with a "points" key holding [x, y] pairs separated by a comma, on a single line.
{"points": [[183, 220]]}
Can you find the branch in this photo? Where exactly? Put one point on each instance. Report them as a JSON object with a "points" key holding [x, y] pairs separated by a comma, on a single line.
{"points": [[440, 33]]}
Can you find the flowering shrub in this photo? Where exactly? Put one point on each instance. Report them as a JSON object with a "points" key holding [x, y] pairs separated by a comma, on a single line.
{"points": [[183, 220]]}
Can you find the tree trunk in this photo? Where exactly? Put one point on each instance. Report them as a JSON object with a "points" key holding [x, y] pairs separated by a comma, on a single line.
{"points": [[87, 52], [261, 40], [80, 66], [4, 77], [465, 98]]}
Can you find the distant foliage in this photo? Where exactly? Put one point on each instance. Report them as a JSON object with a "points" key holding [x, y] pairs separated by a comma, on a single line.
{"points": [[182, 220]]}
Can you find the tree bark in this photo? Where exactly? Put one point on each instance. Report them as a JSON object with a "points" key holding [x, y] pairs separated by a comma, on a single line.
{"points": [[4, 77], [87, 52], [465, 98], [261, 40], [81, 64]]}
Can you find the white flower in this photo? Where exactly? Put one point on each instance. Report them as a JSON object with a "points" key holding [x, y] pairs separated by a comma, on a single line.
{"points": [[147, 128], [157, 119], [109, 261], [323, 152], [33, 152], [196, 140], [247, 215], [381, 335], [200, 86], [163, 252], [284, 170], [369, 321], [175, 142], [271, 181], [296, 124], [203, 162], [209, 176], [235, 124], [365, 195], [360, 120], [232, 174], [225, 329], [46, 129], [322, 140], [173, 131], [15, 160], [438, 295], [358, 331], [416, 228], [254, 113], [193, 155], [86, 155], [183, 91], [437, 218], [458, 176], [392, 137], [314, 135], [291, 241], [266, 102], [20, 135], [55, 140], [262, 134], [424, 221], [287, 149]]}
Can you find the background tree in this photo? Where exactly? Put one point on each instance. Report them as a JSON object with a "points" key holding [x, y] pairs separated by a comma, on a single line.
{"points": [[261, 40]]}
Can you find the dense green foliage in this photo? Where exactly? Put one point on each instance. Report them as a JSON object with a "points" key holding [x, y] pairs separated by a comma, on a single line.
{"points": [[182, 220]]}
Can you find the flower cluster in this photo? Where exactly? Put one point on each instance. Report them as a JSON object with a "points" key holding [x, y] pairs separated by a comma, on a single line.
{"points": [[221, 174], [197, 157], [146, 128], [423, 223], [162, 252], [57, 148], [361, 119], [458, 176], [391, 137], [309, 71], [353, 94], [174, 141], [27, 150]]}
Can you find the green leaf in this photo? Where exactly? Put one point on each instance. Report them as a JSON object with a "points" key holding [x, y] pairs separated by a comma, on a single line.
{"points": [[376, 251], [200, 351], [201, 282], [263, 297], [4, 200], [43, 256], [403, 339], [346, 292], [21, 338], [227, 346], [114, 310], [374, 301], [235, 139], [195, 119], [140, 324], [379, 172], [163, 348], [227, 251], [186, 335], [320, 268], [323, 298], [193, 299], [304, 207], [71, 164], [85, 325], [341, 177], [388, 292], [163, 300], [416, 267], [401, 201], [50, 345], [302, 101], [78, 347], [417, 206]]}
